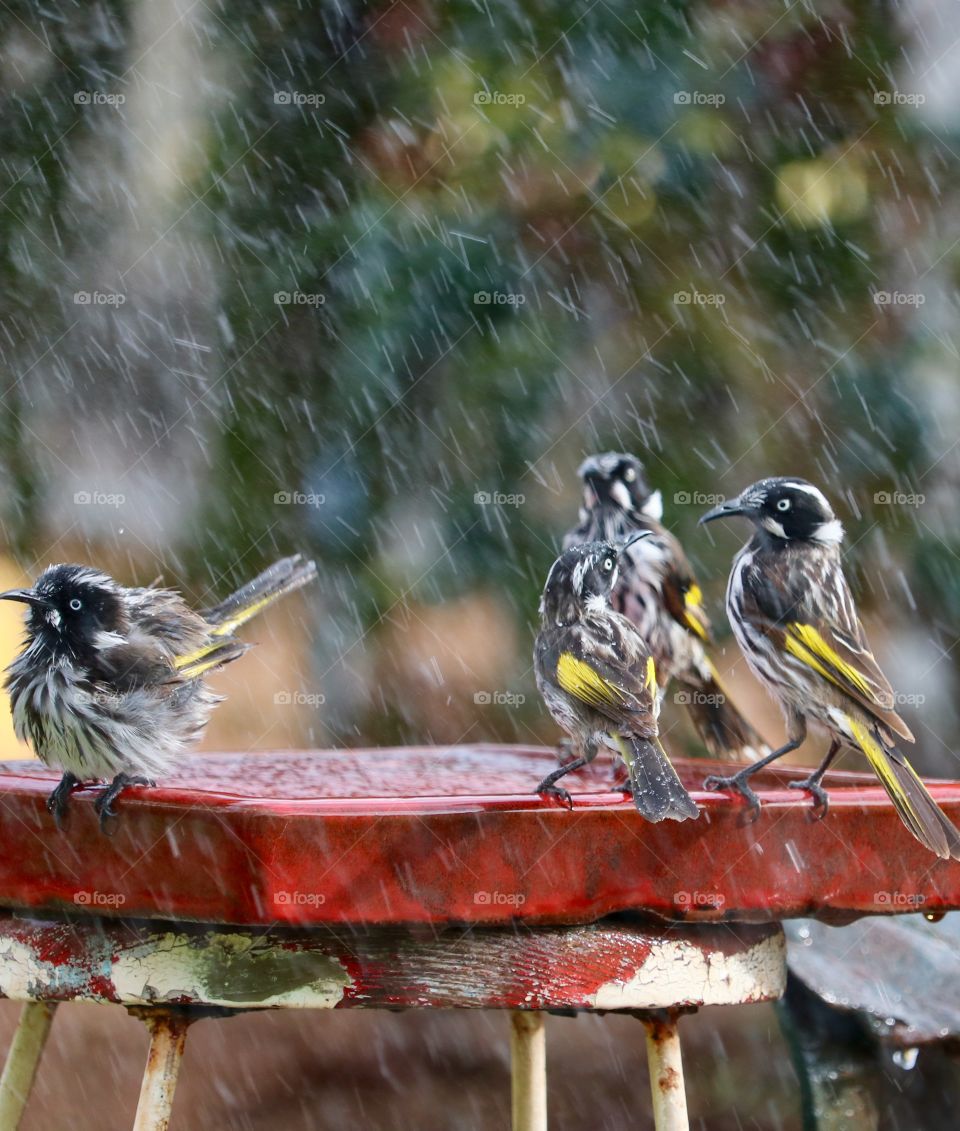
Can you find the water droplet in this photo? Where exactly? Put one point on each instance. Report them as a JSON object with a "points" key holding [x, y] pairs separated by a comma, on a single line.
{"points": [[905, 1058]]}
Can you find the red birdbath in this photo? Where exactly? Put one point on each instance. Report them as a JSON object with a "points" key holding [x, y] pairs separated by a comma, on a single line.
{"points": [[231, 884]]}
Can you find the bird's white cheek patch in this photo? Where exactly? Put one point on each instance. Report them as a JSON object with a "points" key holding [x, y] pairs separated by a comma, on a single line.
{"points": [[621, 495], [654, 506], [829, 532], [774, 527]]}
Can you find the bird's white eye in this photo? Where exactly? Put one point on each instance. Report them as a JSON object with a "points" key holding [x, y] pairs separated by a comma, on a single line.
{"points": [[783, 505], [630, 474], [607, 565], [76, 604]]}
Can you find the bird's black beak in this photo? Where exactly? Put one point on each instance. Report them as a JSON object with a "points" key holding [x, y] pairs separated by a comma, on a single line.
{"points": [[27, 596], [640, 534], [725, 510]]}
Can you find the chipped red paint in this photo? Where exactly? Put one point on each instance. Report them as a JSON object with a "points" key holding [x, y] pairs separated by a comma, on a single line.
{"points": [[388, 967], [446, 835]]}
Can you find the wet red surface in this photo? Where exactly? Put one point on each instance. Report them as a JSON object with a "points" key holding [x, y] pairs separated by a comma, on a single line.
{"points": [[454, 835]]}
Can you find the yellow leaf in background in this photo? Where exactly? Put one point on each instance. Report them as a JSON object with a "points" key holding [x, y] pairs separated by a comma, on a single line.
{"points": [[11, 640], [824, 190]]}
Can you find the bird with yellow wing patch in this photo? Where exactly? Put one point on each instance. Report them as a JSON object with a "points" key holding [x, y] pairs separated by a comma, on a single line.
{"points": [[598, 680], [110, 683], [794, 617], [658, 592]]}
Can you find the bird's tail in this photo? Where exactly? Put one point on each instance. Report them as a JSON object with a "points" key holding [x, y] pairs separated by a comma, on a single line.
{"points": [[281, 578], [723, 730], [917, 809], [657, 791]]}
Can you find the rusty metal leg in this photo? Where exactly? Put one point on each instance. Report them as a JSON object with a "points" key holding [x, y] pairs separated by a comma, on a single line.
{"points": [[666, 1074], [33, 1028], [168, 1034], [528, 1059]]}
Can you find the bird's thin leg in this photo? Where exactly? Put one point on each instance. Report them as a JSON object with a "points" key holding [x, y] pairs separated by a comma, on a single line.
{"points": [[812, 783], [548, 785], [58, 801], [104, 803], [739, 780]]}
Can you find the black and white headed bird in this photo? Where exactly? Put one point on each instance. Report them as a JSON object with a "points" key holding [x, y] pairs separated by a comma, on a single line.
{"points": [[658, 592], [598, 680], [794, 617], [110, 682]]}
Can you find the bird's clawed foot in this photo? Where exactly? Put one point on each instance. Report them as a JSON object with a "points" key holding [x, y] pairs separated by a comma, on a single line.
{"points": [[821, 800], [104, 803], [547, 789], [59, 800], [737, 783]]}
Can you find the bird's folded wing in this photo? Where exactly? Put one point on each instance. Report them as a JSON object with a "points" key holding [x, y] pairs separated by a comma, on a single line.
{"points": [[849, 665], [839, 653], [212, 655], [613, 691], [128, 666], [681, 593]]}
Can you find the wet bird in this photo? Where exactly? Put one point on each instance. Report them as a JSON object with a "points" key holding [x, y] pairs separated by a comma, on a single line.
{"points": [[110, 682], [795, 620], [598, 680], [658, 592]]}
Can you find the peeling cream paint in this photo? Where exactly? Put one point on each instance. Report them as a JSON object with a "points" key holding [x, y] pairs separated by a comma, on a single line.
{"points": [[680, 973], [229, 970], [25, 977]]}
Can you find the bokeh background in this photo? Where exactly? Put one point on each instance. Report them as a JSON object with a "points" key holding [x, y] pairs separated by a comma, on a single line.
{"points": [[368, 280]]}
